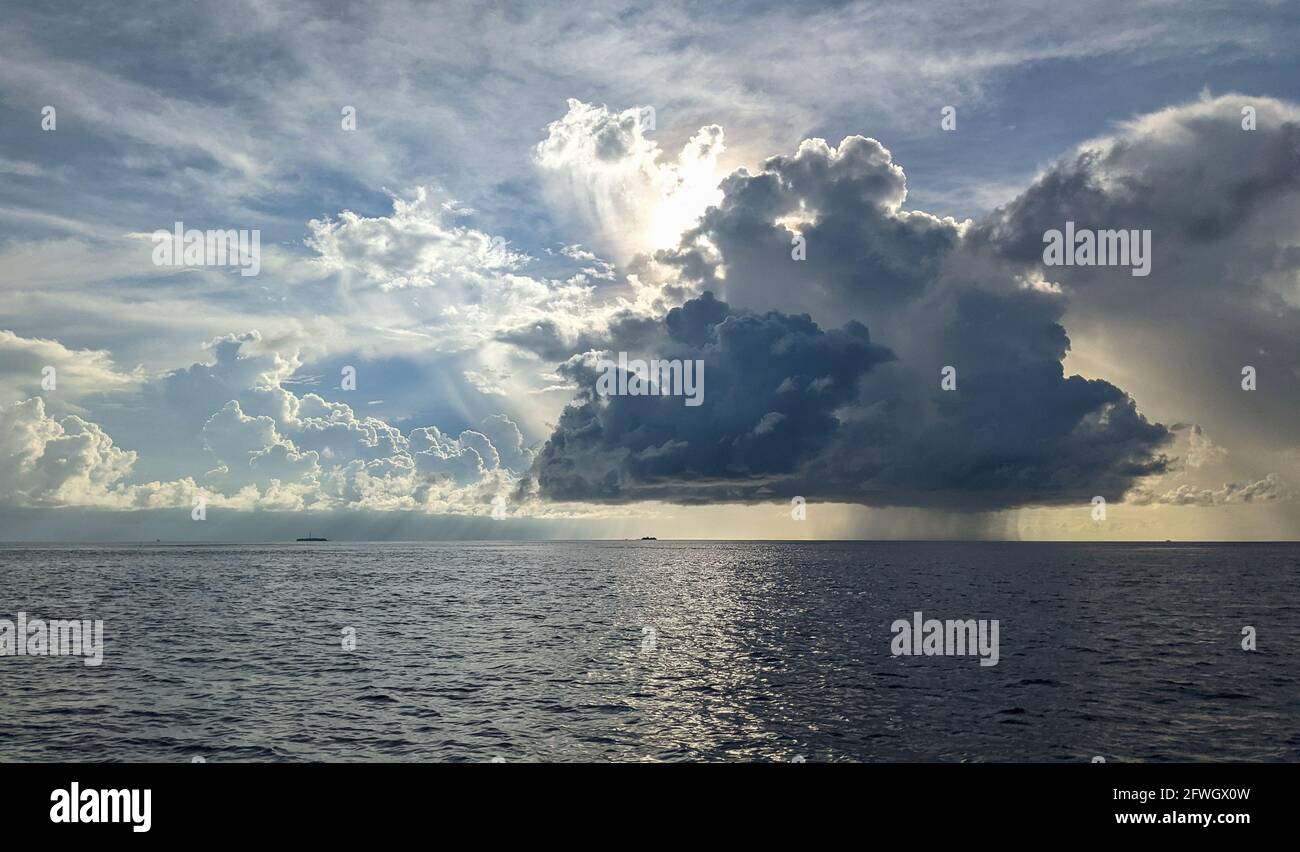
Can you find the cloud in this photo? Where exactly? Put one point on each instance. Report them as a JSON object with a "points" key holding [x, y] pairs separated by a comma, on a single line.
{"points": [[69, 461], [48, 461], [251, 450], [1200, 451], [486, 381], [1270, 489], [1221, 204], [420, 279], [19, 167], [771, 384], [864, 253], [415, 247], [611, 179], [866, 421], [428, 302], [230, 431], [77, 373], [869, 421], [507, 441]]}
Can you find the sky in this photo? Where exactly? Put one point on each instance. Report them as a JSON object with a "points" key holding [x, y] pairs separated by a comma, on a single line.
{"points": [[464, 210]]}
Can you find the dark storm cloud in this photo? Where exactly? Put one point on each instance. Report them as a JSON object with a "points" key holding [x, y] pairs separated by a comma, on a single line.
{"points": [[790, 409], [771, 385], [1193, 175], [793, 410], [1221, 203]]}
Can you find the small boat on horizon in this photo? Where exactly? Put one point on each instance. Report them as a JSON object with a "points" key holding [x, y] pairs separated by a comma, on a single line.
{"points": [[648, 538], [311, 537]]}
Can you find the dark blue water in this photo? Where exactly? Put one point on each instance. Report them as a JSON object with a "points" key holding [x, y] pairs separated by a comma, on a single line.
{"points": [[654, 651]]}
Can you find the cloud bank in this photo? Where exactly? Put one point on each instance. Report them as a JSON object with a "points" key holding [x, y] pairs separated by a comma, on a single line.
{"points": [[852, 416]]}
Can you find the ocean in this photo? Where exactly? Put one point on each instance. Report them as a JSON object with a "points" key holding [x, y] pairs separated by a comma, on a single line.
{"points": [[654, 651]]}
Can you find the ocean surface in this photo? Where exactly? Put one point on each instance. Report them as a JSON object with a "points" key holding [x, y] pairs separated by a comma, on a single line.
{"points": [[655, 651]]}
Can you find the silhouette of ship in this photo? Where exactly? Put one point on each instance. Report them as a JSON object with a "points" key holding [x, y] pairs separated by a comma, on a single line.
{"points": [[648, 538], [311, 537]]}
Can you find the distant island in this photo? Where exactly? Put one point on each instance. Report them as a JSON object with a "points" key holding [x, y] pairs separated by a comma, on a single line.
{"points": [[648, 538]]}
